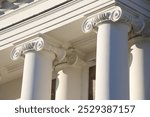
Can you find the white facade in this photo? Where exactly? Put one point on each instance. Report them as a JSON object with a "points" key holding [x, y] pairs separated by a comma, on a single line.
{"points": [[42, 41]]}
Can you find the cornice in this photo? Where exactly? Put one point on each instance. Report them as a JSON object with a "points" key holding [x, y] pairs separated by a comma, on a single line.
{"points": [[25, 10], [32, 10], [49, 20], [115, 14]]}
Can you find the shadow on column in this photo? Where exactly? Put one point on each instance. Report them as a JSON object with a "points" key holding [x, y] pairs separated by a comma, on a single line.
{"points": [[119, 74]]}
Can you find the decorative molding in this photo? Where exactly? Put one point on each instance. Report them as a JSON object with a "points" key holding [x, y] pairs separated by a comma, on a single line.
{"points": [[92, 23], [37, 44], [143, 36], [71, 58], [116, 14]]}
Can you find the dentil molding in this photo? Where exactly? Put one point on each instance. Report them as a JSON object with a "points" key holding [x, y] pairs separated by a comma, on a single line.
{"points": [[115, 14]]}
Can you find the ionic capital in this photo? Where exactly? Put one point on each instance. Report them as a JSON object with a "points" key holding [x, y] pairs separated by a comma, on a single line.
{"points": [[143, 36], [71, 58], [116, 14], [38, 44]]}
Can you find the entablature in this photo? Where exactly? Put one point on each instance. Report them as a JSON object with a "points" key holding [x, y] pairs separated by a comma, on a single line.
{"points": [[46, 21], [14, 11], [42, 16]]}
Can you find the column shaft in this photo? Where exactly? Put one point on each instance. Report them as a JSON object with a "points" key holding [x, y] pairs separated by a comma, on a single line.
{"points": [[139, 71], [112, 76], [68, 83], [37, 75]]}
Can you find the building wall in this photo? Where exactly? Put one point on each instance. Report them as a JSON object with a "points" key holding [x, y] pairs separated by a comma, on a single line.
{"points": [[11, 90]]}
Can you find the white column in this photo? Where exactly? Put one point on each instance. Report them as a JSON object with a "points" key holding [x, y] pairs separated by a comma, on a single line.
{"points": [[140, 69], [61, 83], [37, 73], [112, 72], [68, 82], [112, 62], [71, 75]]}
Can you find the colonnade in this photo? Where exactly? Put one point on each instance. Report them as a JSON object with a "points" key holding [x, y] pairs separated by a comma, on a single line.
{"points": [[41, 58], [117, 76]]}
